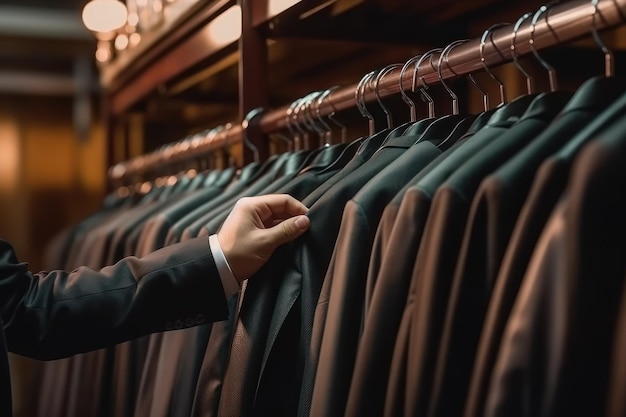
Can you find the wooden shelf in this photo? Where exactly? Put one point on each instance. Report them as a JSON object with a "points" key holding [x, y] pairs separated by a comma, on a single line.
{"points": [[166, 53]]}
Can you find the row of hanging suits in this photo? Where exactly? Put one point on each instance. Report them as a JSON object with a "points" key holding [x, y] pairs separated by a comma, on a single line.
{"points": [[464, 265]]}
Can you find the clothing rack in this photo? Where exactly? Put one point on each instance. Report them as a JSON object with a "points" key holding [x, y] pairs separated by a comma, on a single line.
{"points": [[557, 24], [177, 152], [565, 22]]}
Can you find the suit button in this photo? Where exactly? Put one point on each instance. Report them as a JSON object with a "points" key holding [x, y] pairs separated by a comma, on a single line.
{"points": [[199, 319], [188, 322], [179, 324]]}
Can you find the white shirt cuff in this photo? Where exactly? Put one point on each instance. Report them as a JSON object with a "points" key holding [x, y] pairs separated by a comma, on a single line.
{"points": [[230, 284]]}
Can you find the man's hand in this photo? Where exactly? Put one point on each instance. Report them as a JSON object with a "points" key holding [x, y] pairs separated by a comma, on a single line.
{"points": [[256, 227]]}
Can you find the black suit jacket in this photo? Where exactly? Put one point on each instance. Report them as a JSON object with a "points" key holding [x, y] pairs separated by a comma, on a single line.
{"points": [[56, 314], [207, 397], [324, 157], [274, 328]]}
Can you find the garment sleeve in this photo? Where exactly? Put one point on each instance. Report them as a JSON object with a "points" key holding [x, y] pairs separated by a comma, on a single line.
{"points": [[229, 282], [55, 314]]}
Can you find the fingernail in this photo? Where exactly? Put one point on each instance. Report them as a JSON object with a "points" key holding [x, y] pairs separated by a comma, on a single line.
{"points": [[302, 222]]}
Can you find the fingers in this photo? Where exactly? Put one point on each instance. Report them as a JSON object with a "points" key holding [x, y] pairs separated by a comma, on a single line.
{"points": [[288, 230], [278, 206], [256, 227]]}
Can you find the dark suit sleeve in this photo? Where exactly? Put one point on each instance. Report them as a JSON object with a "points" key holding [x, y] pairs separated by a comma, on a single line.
{"points": [[50, 315]]}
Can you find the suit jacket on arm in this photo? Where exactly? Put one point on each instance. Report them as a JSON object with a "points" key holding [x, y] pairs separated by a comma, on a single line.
{"points": [[57, 314]]}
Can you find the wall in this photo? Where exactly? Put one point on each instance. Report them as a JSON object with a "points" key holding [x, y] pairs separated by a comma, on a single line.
{"points": [[49, 180]]}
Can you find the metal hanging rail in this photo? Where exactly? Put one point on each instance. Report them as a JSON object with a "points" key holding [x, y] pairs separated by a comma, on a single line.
{"points": [[560, 23], [177, 152]]}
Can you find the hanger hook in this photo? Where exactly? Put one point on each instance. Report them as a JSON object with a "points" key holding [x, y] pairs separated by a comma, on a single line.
{"points": [[379, 77], [301, 121], [360, 101], [308, 115], [483, 41], [470, 76], [318, 114], [529, 80], [455, 99], [245, 124], [299, 108], [300, 115], [331, 115], [301, 134], [227, 142], [288, 115], [315, 114], [405, 97], [424, 87], [543, 62], [609, 61], [294, 129]]}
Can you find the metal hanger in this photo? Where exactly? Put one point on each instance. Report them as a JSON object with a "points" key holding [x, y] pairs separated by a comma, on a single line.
{"points": [[360, 101], [308, 117], [296, 119], [424, 87], [483, 41], [405, 97], [331, 115], [609, 60], [296, 139], [245, 124], [530, 88], [326, 126], [455, 98], [470, 76], [551, 71], [379, 77], [225, 130]]}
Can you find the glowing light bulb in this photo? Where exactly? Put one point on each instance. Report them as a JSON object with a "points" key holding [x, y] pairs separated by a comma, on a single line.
{"points": [[104, 16], [226, 28]]}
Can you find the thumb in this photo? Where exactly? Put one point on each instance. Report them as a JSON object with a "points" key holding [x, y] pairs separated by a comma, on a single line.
{"points": [[288, 230]]}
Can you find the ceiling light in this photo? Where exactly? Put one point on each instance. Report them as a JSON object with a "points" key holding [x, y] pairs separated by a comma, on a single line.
{"points": [[104, 16]]}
